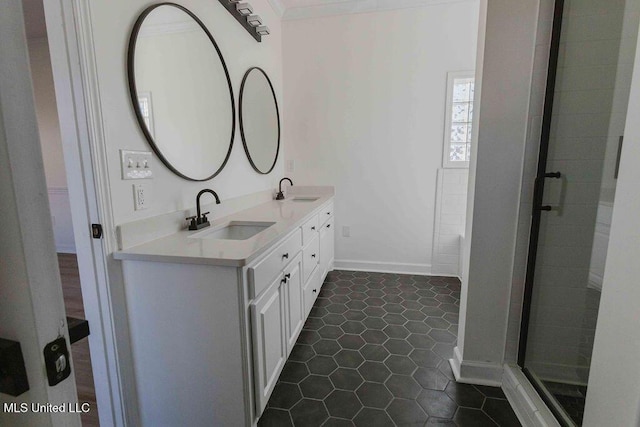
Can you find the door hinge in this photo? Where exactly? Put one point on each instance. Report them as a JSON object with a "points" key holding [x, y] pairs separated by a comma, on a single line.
{"points": [[96, 231]]}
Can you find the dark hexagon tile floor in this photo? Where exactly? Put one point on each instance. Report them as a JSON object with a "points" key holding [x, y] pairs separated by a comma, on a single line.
{"points": [[374, 352]]}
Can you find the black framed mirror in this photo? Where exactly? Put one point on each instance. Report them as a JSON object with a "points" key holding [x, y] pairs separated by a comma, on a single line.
{"points": [[181, 91], [259, 120]]}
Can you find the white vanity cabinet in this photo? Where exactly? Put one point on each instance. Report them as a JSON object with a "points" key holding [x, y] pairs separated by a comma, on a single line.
{"points": [[209, 339]]}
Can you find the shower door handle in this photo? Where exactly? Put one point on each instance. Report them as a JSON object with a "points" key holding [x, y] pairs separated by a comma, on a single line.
{"points": [[537, 191]]}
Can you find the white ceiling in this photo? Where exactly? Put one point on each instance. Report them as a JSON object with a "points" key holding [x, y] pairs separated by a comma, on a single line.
{"points": [[288, 9]]}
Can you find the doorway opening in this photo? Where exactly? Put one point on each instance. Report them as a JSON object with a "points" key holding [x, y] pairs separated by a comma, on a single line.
{"points": [[58, 194]]}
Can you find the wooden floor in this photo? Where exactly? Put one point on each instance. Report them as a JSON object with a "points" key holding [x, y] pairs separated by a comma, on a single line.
{"points": [[80, 350]]}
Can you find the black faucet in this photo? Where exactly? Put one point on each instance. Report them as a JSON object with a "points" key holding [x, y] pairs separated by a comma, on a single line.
{"points": [[280, 195], [200, 220]]}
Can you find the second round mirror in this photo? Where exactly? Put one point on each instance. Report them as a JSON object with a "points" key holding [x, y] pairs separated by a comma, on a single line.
{"points": [[259, 120]]}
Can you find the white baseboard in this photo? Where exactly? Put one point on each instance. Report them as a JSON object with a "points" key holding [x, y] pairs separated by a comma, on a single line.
{"points": [[472, 372], [595, 281], [525, 401], [383, 267], [66, 249]]}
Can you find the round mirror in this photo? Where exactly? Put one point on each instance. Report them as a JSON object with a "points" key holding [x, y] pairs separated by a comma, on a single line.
{"points": [[259, 120], [181, 91]]}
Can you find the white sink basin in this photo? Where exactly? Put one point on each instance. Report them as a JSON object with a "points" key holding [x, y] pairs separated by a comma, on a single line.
{"points": [[235, 230], [305, 199]]}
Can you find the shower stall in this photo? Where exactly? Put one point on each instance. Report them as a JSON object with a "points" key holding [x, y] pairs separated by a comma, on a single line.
{"points": [[587, 92]]}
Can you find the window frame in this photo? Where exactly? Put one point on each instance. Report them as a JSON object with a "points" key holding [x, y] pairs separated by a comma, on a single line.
{"points": [[451, 77]]}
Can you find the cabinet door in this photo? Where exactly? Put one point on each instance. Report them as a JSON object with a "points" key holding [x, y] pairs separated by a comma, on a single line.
{"points": [[295, 302], [326, 247], [268, 317]]}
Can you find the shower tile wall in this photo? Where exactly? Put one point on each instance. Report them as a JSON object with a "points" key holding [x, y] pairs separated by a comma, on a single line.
{"points": [[451, 209]]}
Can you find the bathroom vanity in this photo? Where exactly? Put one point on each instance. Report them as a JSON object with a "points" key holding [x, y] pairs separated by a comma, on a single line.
{"points": [[213, 314]]}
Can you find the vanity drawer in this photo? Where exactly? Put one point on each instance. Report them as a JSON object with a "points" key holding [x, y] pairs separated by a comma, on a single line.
{"points": [[326, 213], [262, 274], [311, 254], [310, 230]]}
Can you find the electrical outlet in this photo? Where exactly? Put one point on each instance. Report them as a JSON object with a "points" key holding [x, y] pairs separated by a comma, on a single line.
{"points": [[140, 196], [136, 164], [346, 231]]}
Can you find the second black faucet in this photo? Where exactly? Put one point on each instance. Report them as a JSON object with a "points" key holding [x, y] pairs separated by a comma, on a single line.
{"points": [[280, 195]]}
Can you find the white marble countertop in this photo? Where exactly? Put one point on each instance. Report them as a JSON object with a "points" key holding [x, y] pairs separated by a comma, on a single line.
{"points": [[180, 248]]}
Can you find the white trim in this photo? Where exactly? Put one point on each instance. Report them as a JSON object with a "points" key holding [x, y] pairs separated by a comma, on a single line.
{"points": [[481, 373], [595, 281], [446, 137], [277, 7], [525, 401], [58, 191], [73, 64], [357, 6], [383, 267]]}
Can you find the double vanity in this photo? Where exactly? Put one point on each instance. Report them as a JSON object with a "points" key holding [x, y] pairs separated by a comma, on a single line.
{"points": [[214, 311], [213, 314]]}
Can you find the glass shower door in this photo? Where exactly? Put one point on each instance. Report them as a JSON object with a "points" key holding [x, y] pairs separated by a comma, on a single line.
{"points": [[592, 55]]}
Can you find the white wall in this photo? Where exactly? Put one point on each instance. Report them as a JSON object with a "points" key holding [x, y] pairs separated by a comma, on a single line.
{"points": [[364, 111], [614, 383], [51, 143], [112, 23], [504, 72], [536, 109]]}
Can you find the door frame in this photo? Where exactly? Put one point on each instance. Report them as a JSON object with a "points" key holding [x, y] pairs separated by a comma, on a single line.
{"points": [[69, 31]]}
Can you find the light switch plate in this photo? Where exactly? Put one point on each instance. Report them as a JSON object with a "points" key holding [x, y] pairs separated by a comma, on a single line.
{"points": [[136, 164]]}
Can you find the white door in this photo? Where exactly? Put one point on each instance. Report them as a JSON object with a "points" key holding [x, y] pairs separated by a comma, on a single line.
{"points": [[31, 306]]}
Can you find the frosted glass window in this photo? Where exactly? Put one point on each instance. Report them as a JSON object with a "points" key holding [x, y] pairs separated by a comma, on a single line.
{"points": [[457, 135]]}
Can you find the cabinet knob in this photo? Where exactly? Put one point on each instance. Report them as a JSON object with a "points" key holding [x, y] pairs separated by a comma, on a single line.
{"points": [[286, 256], [328, 225], [315, 290], [313, 228], [313, 255], [287, 276], [328, 213]]}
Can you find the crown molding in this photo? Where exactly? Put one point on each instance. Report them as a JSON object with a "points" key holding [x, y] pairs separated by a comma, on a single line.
{"points": [[277, 7], [348, 7]]}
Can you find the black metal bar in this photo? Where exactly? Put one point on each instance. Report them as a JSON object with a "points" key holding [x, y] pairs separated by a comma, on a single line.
{"points": [[78, 329], [539, 183], [615, 173], [242, 19]]}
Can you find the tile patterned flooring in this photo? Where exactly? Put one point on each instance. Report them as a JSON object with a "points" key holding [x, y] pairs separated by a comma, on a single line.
{"points": [[374, 352]]}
